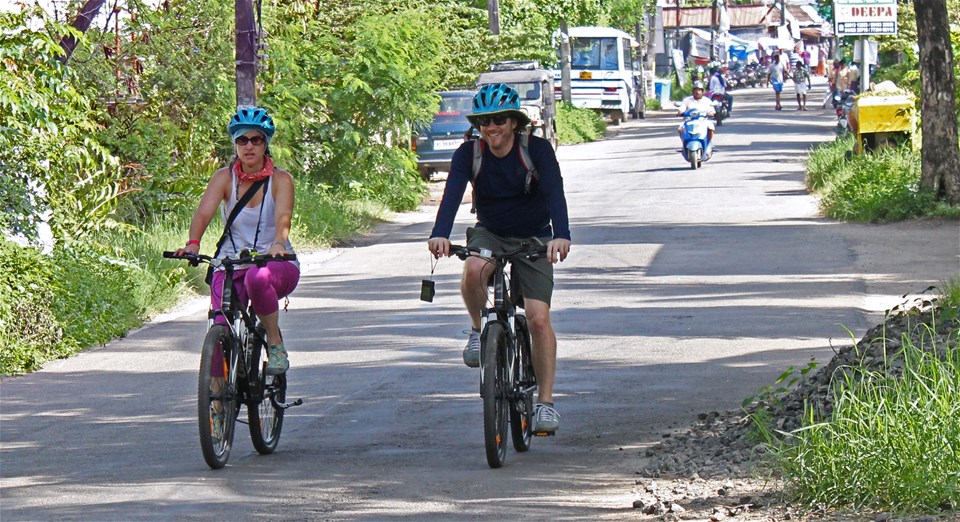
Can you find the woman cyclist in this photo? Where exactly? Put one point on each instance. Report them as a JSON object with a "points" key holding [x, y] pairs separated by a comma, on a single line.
{"points": [[263, 226]]}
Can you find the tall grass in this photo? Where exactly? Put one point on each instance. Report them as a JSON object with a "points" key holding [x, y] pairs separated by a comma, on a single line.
{"points": [[890, 443], [878, 186]]}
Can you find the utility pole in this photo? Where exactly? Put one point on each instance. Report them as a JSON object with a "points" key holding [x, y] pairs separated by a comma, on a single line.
{"points": [[493, 14], [564, 62], [713, 31], [246, 63]]}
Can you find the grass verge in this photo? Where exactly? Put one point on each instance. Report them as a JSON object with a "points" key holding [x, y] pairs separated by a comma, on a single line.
{"points": [[875, 187], [892, 440]]}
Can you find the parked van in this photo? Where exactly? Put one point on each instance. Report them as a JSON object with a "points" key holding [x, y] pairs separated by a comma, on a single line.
{"points": [[535, 87], [605, 72]]}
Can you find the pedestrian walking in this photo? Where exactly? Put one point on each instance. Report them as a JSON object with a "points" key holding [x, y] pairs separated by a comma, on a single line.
{"points": [[801, 81], [775, 74]]}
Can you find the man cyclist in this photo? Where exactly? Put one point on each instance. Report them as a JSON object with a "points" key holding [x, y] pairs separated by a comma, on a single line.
{"points": [[507, 215]]}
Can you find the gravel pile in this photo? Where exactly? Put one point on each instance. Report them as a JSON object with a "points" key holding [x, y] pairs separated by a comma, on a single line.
{"points": [[718, 468]]}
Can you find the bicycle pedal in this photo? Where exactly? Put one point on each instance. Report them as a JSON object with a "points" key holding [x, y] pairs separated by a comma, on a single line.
{"points": [[544, 433]]}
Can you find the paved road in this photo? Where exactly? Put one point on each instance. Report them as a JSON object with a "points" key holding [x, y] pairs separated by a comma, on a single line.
{"points": [[685, 292]]}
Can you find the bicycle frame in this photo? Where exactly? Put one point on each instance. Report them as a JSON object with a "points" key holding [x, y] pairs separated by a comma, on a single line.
{"points": [[507, 379]]}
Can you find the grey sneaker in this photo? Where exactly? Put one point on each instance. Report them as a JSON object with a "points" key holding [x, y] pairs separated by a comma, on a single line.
{"points": [[471, 354], [545, 418]]}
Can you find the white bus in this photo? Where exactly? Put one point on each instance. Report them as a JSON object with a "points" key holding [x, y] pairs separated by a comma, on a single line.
{"points": [[605, 74]]}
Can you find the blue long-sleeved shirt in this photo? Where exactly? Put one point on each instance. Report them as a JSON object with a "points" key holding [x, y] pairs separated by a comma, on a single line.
{"points": [[502, 206]]}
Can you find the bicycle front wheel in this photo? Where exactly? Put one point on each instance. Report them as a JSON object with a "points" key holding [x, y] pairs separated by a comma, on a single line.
{"points": [[216, 396], [266, 420], [493, 390], [524, 383]]}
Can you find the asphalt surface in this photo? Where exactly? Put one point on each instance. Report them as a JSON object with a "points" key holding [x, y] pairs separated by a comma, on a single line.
{"points": [[684, 292]]}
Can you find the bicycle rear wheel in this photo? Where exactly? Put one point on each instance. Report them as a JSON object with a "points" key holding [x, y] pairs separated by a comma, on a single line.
{"points": [[493, 390], [216, 397], [521, 412], [266, 420]]}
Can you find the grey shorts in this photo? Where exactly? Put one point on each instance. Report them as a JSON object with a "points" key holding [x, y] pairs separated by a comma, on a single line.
{"points": [[534, 279]]}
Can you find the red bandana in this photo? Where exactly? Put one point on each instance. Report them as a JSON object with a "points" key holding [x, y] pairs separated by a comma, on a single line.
{"points": [[266, 171]]}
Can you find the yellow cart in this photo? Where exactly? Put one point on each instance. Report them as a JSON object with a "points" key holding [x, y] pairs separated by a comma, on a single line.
{"points": [[881, 119]]}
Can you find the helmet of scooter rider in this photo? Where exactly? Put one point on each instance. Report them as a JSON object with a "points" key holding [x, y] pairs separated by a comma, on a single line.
{"points": [[498, 99], [698, 85]]}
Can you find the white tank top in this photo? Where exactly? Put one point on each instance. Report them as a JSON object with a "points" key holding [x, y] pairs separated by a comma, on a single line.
{"points": [[254, 228]]}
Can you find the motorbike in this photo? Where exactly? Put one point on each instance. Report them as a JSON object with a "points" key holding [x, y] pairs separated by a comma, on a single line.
{"points": [[721, 107], [843, 101], [696, 144]]}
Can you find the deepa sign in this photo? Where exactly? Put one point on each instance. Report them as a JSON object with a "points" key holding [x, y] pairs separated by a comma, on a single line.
{"points": [[865, 17]]}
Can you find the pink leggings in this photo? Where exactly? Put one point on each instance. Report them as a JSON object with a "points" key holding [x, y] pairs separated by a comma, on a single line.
{"points": [[263, 286]]}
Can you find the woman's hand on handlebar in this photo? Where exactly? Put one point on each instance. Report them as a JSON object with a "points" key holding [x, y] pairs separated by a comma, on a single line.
{"points": [[277, 249], [439, 246], [557, 249], [192, 248]]}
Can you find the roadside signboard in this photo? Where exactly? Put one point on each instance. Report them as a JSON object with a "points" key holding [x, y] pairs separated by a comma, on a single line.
{"points": [[865, 17]]}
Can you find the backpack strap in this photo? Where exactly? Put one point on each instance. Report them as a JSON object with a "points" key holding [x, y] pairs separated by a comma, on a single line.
{"points": [[533, 175], [242, 202], [478, 146]]}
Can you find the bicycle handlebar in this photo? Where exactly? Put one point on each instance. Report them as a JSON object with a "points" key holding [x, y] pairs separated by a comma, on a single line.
{"points": [[244, 259], [527, 250]]}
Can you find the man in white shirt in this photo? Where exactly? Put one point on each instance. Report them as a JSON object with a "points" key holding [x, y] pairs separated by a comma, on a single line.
{"points": [[718, 85], [696, 101]]}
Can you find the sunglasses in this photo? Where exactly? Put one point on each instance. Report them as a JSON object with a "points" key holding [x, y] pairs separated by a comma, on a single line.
{"points": [[484, 121], [256, 140]]}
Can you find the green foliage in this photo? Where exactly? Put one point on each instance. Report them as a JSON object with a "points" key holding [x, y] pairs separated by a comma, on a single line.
{"points": [[30, 334], [873, 187], [890, 443], [876, 187], [164, 117], [48, 162], [116, 148], [93, 292], [576, 125], [653, 104], [826, 161]]}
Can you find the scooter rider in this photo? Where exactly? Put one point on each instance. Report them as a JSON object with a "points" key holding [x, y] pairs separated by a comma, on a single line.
{"points": [[696, 101], [718, 85]]}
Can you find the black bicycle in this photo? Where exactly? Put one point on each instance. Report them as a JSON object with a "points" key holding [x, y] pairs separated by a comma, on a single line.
{"points": [[232, 373], [507, 378]]}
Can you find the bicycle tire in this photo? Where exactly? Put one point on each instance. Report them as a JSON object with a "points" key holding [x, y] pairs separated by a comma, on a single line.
{"points": [[216, 397], [521, 411], [265, 419], [493, 389]]}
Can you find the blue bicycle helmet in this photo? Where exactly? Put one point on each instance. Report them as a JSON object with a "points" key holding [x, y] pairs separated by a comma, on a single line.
{"points": [[251, 118], [498, 98]]}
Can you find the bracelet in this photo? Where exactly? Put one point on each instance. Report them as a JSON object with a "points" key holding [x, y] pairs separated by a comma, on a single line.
{"points": [[193, 242]]}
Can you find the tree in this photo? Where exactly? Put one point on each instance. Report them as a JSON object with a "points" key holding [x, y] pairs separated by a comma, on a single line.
{"points": [[940, 156]]}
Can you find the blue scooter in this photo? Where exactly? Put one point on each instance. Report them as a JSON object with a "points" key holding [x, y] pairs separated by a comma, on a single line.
{"points": [[696, 145]]}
